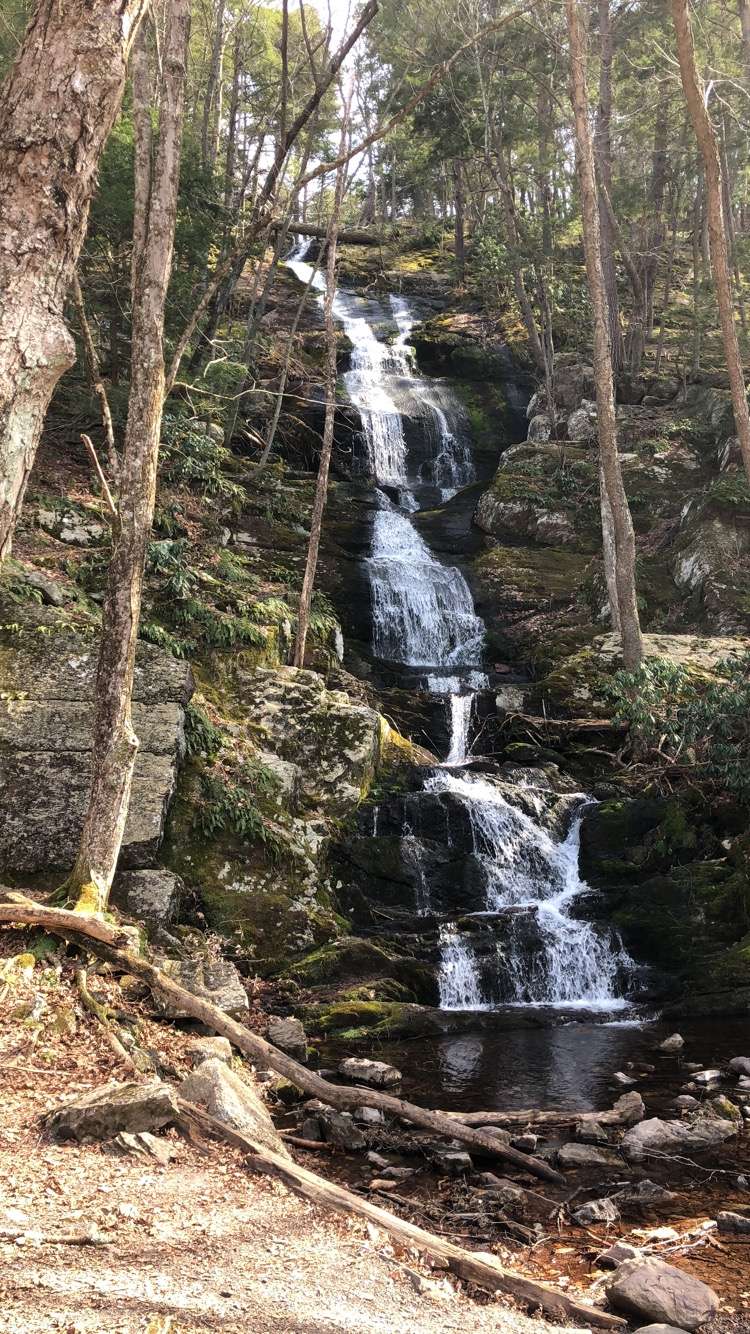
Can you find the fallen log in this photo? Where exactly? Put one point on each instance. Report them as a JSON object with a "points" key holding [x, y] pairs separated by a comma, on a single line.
{"points": [[342, 1096], [619, 1115], [566, 726], [351, 237], [483, 1270]]}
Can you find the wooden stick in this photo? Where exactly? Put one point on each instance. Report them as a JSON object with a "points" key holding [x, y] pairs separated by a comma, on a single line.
{"points": [[100, 474], [534, 1117], [106, 941], [482, 1269]]}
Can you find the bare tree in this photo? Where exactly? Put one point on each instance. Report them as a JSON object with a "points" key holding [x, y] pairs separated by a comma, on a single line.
{"points": [[617, 523], [695, 96], [115, 744], [57, 107], [603, 158]]}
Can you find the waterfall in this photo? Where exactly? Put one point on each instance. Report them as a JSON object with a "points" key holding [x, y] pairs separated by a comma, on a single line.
{"points": [[529, 871], [423, 619]]}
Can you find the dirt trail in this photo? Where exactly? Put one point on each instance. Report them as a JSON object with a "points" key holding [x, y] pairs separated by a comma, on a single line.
{"points": [[198, 1244]]}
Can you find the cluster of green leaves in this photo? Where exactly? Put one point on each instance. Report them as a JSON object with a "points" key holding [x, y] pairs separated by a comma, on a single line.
{"points": [[230, 803], [674, 715], [192, 457], [202, 736]]}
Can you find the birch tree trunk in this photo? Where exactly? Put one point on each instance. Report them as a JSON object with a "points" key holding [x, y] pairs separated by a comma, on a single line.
{"points": [[57, 107], [717, 237], [617, 523], [115, 744]]}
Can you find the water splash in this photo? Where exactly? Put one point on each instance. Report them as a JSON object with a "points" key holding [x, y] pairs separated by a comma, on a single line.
{"points": [[570, 961]]}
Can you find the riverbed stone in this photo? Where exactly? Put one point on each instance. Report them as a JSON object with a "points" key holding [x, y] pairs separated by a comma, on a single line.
{"points": [[644, 1195], [659, 1329], [588, 1157], [288, 1033], [657, 1291], [376, 1073], [452, 1162], [101, 1113], [673, 1044], [234, 1101], [339, 1129], [703, 1131], [740, 1065]]}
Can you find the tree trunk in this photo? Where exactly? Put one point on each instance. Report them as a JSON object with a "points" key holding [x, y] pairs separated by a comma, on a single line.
{"points": [[460, 238], [115, 744], [603, 156], [654, 239], [510, 216], [212, 104], [743, 7], [57, 107], [619, 554], [707, 143], [321, 486]]}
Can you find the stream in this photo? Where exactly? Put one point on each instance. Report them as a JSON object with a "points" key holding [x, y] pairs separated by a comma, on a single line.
{"points": [[493, 862]]}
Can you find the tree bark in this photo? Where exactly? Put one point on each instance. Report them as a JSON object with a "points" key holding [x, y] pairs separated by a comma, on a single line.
{"points": [[459, 226], [717, 238], [115, 744], [619, 553], [212, 104], [321, 485], [57, 107], [603, 157]]}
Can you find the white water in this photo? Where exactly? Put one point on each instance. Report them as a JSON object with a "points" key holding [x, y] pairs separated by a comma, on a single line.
{"points": [[526, 868], [424, 618]]}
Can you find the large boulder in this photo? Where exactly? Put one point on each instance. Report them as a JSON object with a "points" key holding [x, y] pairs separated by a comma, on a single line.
{"points": [[233, 1101], [656, 1291], [104, 1112], [288, 1034], [589, 1157], [703, 1131], [333, 742], [46, 716]]}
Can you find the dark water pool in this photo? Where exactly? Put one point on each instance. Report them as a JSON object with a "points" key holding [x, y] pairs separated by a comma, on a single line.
{"points": [[566, 1064]]}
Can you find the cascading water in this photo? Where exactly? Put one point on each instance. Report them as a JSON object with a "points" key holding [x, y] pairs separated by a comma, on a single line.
{"points": [[424, 620]]}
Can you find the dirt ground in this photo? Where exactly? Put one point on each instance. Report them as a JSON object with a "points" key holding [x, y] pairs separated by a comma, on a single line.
{"points": [[94, 1241]]}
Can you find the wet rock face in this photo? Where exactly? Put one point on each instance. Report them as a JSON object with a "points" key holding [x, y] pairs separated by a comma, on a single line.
{"points": [[46, 718]]}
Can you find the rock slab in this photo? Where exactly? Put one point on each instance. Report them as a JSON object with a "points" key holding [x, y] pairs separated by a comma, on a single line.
{"points": [[213, 980], [234, 1102], [46, 719], [659, 1292], [108, 1110]]}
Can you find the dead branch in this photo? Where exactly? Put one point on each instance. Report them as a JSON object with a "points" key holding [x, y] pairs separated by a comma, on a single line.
{"points": [[107, 941], [482, 1269]]}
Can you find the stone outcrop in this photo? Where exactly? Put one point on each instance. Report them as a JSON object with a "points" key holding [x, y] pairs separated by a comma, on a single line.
{"points": [[46, 713]]}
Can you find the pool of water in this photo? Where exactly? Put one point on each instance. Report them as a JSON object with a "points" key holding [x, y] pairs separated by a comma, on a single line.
{"points": [[567, 1064]]}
